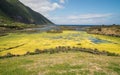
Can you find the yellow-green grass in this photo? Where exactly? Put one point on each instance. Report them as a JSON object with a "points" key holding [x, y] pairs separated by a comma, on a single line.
{"points": [[72, 63], [45, 40]]}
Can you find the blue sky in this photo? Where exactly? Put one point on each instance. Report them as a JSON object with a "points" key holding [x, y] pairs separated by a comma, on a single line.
{"points": [[78, 11]]}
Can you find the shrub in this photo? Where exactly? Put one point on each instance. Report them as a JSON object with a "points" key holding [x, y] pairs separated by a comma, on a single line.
{"points": [[52, 51], [112, 54], [37, 51], [9, 55], [27, 53]]}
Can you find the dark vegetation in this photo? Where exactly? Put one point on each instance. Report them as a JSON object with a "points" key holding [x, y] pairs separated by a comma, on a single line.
{"points": [[112, 30], [74, 27], [17, 27], [13, 28], [3, 34], [11, 47], [55, 31], [64, 49]]}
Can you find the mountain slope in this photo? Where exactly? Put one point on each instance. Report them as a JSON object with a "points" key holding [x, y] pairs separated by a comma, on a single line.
{"points": [[16, 11]]}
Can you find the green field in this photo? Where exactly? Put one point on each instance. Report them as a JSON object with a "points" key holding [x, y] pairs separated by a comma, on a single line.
{"points": [[20, 43], [71, 63]]}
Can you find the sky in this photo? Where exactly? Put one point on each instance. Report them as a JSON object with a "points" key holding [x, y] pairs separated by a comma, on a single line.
{"points": [[78, 11]]}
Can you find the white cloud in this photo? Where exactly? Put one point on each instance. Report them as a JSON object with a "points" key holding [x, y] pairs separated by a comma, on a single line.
{"points": [[83, 19], [88, 16], [62, 1], [42, 6]]}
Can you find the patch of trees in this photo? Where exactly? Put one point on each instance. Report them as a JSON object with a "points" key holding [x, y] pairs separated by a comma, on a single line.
{"points": [[65, 49]]}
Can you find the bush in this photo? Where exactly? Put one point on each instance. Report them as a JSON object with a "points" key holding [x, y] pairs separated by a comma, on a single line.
{"points": [[37, 51], [9, 55], [112, 54], [27, 53]]}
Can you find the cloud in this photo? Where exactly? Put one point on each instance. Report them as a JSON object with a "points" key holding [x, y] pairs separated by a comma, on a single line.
{"points": [[83, 19], [43, 6], [88, 16], [62, 1]]}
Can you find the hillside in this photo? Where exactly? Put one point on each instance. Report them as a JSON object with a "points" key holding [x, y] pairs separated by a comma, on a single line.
{"points": [[15, 11]]}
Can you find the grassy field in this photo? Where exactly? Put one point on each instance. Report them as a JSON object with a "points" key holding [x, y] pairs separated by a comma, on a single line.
{"points": [[72, 63], [20, 43]]}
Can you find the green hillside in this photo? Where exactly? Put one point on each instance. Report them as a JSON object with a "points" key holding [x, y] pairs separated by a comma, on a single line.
{"points": [[14, 10]]}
